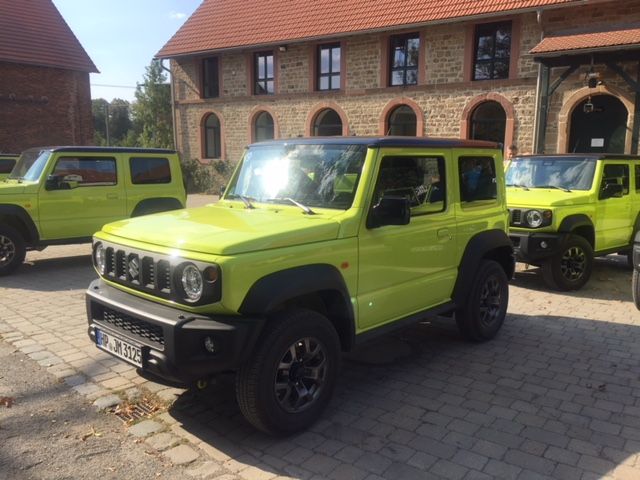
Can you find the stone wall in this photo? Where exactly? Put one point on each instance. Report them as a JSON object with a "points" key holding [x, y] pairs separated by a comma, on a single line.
{"points": [[43, 106], [443, 99]]}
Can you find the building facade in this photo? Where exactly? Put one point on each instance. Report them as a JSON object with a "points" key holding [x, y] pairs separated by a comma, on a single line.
{"points": [[45, 96], [556, 76]]}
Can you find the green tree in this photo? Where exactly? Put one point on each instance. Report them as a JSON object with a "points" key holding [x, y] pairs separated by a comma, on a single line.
{"points": [[152, 109], [119, 121], [99, 110]]}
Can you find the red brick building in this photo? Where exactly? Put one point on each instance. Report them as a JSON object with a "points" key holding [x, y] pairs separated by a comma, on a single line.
{"points": [[45, 97], [548, 75]]}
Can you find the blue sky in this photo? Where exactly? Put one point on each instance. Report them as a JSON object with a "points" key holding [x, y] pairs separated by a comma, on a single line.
{"points": [[122, 36]]}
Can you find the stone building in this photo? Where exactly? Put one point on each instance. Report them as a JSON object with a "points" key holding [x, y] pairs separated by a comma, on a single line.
{"points": [[45, 97], [547, 75]]}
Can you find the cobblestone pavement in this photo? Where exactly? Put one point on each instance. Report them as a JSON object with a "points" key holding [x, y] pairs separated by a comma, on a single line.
{"points": [[555, 395]]}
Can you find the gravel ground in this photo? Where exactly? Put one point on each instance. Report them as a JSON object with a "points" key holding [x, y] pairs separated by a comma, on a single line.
{"points": [[51, 432]]}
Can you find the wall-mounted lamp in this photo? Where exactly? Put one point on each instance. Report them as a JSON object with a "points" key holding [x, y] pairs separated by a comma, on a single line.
{"points": [[282, 48], [592, 77]]}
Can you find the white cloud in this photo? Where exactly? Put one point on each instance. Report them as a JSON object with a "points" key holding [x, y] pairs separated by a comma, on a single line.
{"points": [[177, 15]]}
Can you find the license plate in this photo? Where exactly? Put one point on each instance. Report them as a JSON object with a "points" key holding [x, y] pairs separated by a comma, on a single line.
{"points": [[119, 347]]}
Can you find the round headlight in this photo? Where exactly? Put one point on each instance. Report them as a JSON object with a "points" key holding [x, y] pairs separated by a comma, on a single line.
{"points": [[534, 218], [192, 283], [100, 258]]}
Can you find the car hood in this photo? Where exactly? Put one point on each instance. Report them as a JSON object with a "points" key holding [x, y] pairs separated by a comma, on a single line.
{"points": [[545, 197], [221, 230]]}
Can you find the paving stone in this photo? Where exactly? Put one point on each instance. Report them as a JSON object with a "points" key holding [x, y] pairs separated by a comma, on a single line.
{"points": [[107, 401], [145, 428], [162, 441], [181, 455], [205, 470]]}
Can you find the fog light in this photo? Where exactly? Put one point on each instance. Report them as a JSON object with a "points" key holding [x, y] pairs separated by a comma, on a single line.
{"points": [[543, 244], [210, 345]]}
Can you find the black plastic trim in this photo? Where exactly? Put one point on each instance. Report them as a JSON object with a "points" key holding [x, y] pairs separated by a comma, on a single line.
{"points": [[572, 222], [156, 205], [22, 215]]}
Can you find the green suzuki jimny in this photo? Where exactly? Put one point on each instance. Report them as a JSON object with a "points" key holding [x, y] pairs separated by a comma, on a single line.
{"points": [[60, 195], [317, 245], [566, 209]]}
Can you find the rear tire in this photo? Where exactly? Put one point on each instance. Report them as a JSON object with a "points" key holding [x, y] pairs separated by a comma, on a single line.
{"points": [[290, 377], [12, 249], [482, 316], [569, 269], [635, 288]]}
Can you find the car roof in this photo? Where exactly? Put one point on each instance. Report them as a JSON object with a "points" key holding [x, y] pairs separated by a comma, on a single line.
{"points": [[383, 141], [83, 149], [592, 156]]}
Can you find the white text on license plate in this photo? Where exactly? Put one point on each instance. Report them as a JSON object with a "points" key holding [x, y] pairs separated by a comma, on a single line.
{"points": [[118, 347]]}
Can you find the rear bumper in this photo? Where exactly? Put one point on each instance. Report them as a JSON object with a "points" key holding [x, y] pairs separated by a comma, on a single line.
{"points": [[534, 248], [172, 340]]}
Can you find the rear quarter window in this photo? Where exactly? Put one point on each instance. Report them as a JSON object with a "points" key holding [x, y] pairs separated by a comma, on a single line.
{"points": [[6, 165], [146, 171]]}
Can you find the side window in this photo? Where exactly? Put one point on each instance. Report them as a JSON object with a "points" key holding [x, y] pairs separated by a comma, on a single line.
{"points": [[616, 174], [87, 171], [477, 178], [420, 179], [6, 165], [149, 170]]}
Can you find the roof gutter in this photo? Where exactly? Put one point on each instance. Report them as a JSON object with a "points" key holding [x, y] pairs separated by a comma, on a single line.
{"points": [[390, 28]]}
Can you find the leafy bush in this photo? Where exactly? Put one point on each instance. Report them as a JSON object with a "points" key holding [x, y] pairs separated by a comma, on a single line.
{"points": [[198, 177]]}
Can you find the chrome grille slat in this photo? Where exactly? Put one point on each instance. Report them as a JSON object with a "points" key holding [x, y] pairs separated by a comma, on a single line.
{"points": [[516, 216]]}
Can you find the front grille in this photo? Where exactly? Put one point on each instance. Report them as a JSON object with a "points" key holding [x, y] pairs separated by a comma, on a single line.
{"points": [[135, 326], [516, 216], [139, 271]]}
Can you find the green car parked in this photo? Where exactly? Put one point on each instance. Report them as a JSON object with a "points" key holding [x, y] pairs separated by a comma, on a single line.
{"points": [[316, 246], [566, 209], [61, 195]]}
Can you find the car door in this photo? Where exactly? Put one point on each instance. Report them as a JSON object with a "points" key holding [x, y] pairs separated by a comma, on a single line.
{"points": [[614, 222], [404, 269], [96, 196]]}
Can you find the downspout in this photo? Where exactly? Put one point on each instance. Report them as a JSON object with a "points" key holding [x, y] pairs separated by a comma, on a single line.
{"points": [[173, 104], [536, 115]]}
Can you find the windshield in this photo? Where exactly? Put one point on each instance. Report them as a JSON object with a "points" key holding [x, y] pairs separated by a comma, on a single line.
{"points": [[569, 173], [30, 165], [324, 176]]}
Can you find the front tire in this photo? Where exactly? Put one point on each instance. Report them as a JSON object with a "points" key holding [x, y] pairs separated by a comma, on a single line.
{"points": [[635, 288], [290, 377], [12, 249], [570, 269], [483, 314]]}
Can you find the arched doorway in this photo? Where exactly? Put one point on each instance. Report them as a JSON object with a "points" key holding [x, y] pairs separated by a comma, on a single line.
{"points": [[402, 121], [327, 124], [264, 127], [598, 125], [488, 122]]}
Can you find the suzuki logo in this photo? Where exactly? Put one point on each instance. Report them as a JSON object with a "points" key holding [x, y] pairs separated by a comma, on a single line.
{"points": [[134, 267]]}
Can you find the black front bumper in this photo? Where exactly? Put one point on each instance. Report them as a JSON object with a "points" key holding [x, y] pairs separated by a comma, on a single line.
{"points": [[534, 248], [172, 340]]}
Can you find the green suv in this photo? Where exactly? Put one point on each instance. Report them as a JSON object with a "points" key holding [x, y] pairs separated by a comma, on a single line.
{"points": [[316, 246], [566, 209], [60, 195]]}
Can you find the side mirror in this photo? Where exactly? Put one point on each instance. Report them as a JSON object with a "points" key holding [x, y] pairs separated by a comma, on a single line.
{"points": [[611, 190], [391, 210], [52, 183]]}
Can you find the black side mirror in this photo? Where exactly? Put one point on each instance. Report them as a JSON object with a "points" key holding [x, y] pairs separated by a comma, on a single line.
{"points": [[611, 190], [52, 183], [391, 210]]}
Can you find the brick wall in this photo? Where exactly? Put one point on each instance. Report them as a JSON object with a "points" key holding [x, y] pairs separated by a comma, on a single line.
{"points": [[43, 106], [443, 98]]}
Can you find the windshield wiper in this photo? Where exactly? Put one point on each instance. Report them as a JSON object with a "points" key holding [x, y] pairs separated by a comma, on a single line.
{"points": [[524, 187], [306, 209], [554, 186], [245, 200]]}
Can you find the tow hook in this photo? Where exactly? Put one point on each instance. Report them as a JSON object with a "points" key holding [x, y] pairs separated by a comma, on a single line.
{"points": [[202, 384]]}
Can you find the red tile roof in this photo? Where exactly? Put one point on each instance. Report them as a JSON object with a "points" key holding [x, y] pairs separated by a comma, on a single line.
{"points": [[222, 24], [34, 32], [564, 41]]}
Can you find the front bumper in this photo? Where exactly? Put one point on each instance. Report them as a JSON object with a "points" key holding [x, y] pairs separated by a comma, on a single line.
{"points": [[172, 340], [535, 247]]}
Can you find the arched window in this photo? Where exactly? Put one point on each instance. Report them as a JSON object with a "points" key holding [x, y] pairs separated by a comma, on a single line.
{"points": [[327, 124], [263, 127], [402, 121], [212, 139], [488, 122]]}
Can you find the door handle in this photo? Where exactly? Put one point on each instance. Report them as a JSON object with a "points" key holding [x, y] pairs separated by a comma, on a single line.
{"points": [[443, 234], [112, 196]]}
